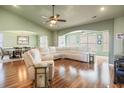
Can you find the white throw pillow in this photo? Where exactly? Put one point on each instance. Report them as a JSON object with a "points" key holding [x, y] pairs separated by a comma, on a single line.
{"points": [[36, 55]]}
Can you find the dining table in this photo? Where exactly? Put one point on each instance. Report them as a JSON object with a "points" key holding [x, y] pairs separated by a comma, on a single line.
{"points": [[14, 52]]}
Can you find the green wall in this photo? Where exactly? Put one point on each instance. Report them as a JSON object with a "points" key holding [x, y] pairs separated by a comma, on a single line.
{"points": [[10, 40], [118, 43], [12, 22]]}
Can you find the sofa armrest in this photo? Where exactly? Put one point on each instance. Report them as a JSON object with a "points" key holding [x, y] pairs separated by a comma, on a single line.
{"points": [[44, 64], [48, 62], [41, 65]]}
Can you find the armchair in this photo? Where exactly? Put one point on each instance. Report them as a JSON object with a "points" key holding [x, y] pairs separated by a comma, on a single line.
{"points": [[33, 60], [119, 71]]}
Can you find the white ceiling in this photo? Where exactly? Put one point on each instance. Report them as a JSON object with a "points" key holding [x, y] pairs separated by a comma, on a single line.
{"points": [[74, 14]]}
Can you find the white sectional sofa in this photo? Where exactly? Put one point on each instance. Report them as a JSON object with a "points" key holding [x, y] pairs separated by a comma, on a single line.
{"points": [[66, 52]]}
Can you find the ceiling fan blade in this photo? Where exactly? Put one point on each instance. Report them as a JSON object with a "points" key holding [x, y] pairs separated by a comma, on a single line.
{"points": [[46, 21], [44, 17], [57, 16], [61, 20], [51, 17]]}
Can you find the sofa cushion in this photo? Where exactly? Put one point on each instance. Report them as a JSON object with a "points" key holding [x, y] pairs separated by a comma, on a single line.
{"points": [[57, 55], [52, 49], [44, 51], [36, 55]]}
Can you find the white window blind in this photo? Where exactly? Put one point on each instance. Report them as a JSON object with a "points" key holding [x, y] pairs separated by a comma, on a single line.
{"points": [[61, 41], [43, 41]]}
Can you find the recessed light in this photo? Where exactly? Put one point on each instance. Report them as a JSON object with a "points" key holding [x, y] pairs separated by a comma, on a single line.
{"points": [[102, 8], [15, 5]]}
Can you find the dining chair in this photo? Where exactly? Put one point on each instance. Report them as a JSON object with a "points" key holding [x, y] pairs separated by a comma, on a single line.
{"points": [[3, 53], [18, 52]]}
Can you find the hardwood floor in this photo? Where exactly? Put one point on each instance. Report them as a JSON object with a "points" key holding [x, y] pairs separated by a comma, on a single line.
{"points": [[14, 74], [68, 74]]}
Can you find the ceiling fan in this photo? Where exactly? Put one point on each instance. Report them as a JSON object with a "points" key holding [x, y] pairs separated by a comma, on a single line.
{"points": [[54, 18]]}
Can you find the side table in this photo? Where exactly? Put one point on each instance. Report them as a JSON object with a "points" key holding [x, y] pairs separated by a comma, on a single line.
{"points": [[91, 58], [41, 76]]}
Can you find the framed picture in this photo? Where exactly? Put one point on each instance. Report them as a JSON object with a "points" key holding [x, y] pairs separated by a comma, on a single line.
{"points": [[120, 35], [23, 40]]}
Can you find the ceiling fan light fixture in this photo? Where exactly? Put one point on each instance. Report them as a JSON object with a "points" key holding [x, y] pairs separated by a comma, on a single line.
{"points": [[53, 22], [54, 19], [51, 25]]}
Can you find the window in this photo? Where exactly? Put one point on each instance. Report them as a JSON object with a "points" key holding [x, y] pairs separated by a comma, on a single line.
{"points": [[89, 41], [83, 41], [92, 42], [61, 42], [106, 41], [1, 40], [72, 40], [43, 41]]}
